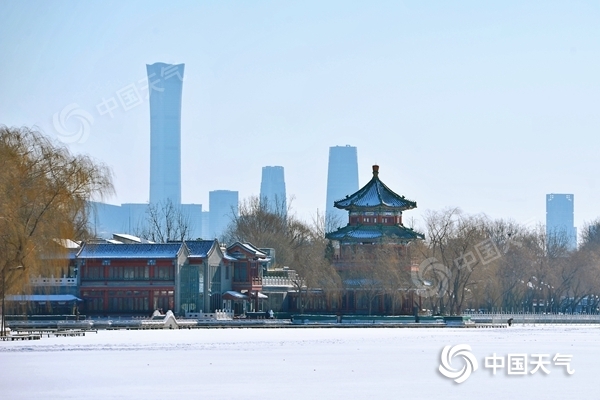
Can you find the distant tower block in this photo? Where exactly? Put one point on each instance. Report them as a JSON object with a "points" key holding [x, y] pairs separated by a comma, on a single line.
{"points": [[165, 83], [342, 180], [223, 207], [272, 189], [560, 219]]}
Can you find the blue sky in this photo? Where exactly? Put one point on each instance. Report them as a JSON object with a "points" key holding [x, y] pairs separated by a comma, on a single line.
{"points": [[486, 106]]}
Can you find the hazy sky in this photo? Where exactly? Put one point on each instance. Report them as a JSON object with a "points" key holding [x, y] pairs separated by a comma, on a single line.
{"points": [[486, 106]]}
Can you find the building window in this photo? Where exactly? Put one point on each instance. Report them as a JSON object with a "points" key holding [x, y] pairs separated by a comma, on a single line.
{"points": [[95, 304], [164, 273], [128, 273], [227, 272], [94, 273], [115, 273], [240, 272]]}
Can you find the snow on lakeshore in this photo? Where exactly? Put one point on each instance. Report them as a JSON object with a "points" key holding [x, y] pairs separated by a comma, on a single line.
{"points": [[292, 363]]}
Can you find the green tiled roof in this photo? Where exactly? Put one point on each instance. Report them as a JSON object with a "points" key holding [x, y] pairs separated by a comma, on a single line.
{"points": [[360, 233], [375, 194]]}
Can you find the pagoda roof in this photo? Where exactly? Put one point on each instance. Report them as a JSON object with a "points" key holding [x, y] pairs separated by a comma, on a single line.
{"points": [[375, 194], [360, 233]]}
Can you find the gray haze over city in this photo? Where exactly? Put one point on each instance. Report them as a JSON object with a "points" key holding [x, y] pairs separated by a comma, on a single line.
{"points": [[487, 106]]}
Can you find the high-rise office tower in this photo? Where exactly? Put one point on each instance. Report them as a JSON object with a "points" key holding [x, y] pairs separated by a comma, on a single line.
{"points": [[192, 217], [272, 189], [223, 206], [165, 83], [342, 180], [205, 225], [560, 219]]}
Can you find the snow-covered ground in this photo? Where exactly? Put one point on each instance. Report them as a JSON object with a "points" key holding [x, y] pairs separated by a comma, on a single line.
{"points": [[349, 363]]}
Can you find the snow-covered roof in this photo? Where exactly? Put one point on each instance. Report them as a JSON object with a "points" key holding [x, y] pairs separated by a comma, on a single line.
{"points": [[42, 297], [375, 194], [67, 243], [124, 237], [374, 232], [200, 248], [233, 295], [139, 250], [249, 248]]}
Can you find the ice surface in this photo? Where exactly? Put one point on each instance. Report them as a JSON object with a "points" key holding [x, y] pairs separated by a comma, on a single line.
{"points": [[293, 363]]}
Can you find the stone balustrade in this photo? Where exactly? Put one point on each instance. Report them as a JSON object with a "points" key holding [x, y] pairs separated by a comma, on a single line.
{"points": [[40, 281]]}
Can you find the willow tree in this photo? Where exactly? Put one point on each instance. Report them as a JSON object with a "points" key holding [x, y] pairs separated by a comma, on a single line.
{"points": [[44, 195]]}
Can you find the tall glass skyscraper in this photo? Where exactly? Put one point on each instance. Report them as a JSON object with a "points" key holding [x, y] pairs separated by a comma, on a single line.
{"points": [[560, 219], [223, 206], [165, 83], [342, 180], [272, 189]]}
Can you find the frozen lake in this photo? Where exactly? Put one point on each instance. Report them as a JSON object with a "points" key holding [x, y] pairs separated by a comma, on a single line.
{"points": [[296, 363]]}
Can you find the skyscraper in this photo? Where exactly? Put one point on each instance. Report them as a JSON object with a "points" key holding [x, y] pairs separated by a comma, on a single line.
{"points": [[272, 189], [223, 205], [192, 217], [165, 83], [205, 234], [342, 181], [560, 219]]}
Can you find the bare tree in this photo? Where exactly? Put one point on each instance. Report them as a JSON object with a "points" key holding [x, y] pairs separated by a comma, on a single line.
{"points": [[165, 222], [447, 245], [590, 235], [300, 246]]}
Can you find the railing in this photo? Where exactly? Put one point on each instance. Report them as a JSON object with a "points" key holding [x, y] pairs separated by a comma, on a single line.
{"points": [[53, 281], [254, 281], [220, 315], [526, 318], [276, 281]]}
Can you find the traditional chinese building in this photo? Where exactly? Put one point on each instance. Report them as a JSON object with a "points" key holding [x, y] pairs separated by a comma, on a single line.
{"points": [[129, 279], [370, 252], [248, 268], [203, 278]]}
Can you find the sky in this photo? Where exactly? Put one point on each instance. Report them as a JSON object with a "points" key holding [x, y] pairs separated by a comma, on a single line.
{"points": [[486, 106]]}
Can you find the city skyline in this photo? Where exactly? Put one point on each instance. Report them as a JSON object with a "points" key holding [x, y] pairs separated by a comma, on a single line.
{"points": [[462, 105]]}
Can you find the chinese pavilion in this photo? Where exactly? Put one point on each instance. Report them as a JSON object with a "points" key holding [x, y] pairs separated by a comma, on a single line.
{"points": [[372, 241], [375, 216]]}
